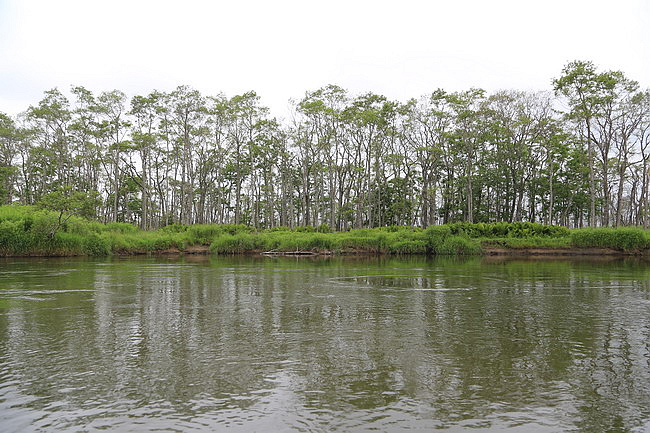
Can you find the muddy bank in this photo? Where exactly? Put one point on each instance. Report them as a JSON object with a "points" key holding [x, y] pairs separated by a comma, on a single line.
{"points": [[486, 251], [549, 252]]}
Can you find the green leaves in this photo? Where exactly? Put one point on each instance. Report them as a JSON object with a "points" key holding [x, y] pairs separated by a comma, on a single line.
{"points": [[68, 202]]}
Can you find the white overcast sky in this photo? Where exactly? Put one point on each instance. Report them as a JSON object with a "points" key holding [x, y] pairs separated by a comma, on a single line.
{"points": [[281, 49]]}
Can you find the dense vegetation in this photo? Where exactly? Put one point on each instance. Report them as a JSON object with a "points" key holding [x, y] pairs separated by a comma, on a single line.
{"points": [[342, 160], [25, 230]]}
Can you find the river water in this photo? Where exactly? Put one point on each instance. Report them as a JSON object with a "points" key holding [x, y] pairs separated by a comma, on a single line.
{"points": [[247, 344]]}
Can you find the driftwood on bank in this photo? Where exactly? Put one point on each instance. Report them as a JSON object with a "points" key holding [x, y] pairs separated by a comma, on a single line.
{"points": [[294, 253]]}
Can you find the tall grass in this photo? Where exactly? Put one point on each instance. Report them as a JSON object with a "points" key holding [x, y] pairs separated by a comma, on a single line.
{"points": [[623, 239], [237, 243], [25, 230]]}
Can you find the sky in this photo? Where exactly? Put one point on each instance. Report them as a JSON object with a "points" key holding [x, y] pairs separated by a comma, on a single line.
{"points": [[281, 48]]}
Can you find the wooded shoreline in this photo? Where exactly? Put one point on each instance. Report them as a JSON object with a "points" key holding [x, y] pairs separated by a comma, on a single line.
{"points": [[577, 155]]}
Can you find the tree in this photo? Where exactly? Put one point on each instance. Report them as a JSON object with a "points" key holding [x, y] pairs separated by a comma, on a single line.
{"points": [[467, 137], [9, 138], [588, 94], [112, 131], [67, 202]]}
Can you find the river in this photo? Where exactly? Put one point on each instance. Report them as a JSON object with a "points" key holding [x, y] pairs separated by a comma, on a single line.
{"points": [[246, 344]]}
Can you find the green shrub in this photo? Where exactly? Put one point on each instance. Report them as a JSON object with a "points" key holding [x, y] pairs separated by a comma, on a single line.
{"points": [[239, 243], [292, 241], [44, 227], [505, 229], [435, 237], [318, 241], [81, 227], [458, 245], [279, 229], [117, 242], [16, 213], [94, 245], [305, 229], [409, 247], [14, 239], [233, 229], [395, 228], [324, 228], [173, 228], [361, 243], [65, 244], [159, 243], [203, 233], [121, 227], [406, 235]]}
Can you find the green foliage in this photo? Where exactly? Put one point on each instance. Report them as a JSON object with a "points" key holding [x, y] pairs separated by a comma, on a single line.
{"points": [[203, 234], [441, 240], [295, 241], [16, 213], [68, 201], [44, 226], [459, 245], [354, 160], [238, 243], [233, 229], [14, 239], [370, 244], [83, 227], [409, 247], [504, 229], [320, 242], [279, 229], [396, 228], [436, 237], [120, 227], [174, 228], [623, 239], [26, 230], [324, 228], [305, 229], [145, 242]]}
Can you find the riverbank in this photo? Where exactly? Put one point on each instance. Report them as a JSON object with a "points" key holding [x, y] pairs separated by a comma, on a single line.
{"points": [[26, 231], [485, 250], [561, 252]]}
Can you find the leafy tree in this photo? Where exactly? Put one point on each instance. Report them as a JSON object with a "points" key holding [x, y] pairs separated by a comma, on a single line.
{"points": [[588, 94], [67, 202], [9, 137]]}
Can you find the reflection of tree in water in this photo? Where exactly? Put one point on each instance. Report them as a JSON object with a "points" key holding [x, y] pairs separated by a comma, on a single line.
{"points": [[536, 342], [510, 342]]}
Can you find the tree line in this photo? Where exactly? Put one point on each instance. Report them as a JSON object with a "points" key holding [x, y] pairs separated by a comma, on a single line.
{"points": [[576, 155]]}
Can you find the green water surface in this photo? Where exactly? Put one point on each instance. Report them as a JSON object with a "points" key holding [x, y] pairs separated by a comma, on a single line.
{"points": [[244, 344]]}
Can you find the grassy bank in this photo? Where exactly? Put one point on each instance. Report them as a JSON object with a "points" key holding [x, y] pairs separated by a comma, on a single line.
{"points": [[27, 231]]}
